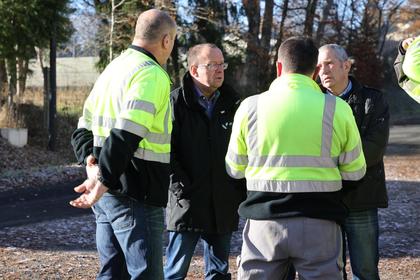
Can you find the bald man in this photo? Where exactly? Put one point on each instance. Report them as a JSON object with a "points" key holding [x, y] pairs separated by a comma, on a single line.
{"points": [[124, 139]]}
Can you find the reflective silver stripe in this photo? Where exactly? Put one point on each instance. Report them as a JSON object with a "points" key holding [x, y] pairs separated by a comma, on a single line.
{"points": [[158, 138], [327, 125], [350, 156], [234, 173], [292, 161], [237, 159], [103, 122], [145, 106], [135, 128], [325, 160], [166, 121], [129, 75], [98, 141], [355, 175], [292, 186], [87, 114], [252, 124], [84, 124], [132, 127], [151, 156]]}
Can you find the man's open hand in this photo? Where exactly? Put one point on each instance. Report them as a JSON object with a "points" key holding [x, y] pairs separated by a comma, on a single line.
{"points": [[92, 190]]}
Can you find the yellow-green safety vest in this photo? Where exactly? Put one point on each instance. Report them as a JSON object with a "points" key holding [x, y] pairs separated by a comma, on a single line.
{"points": [[132, 94], [411, 68], [294, 138]]}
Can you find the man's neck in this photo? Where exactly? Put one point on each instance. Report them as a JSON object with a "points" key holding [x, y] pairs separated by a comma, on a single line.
{"points": [[340, 88], [150, 48], [206, 91]]}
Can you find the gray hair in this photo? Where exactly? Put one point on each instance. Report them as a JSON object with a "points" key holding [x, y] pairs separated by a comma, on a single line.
{"points": [[339, 51], [195, 51]]}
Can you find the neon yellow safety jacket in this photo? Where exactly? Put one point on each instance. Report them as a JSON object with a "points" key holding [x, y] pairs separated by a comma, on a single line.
{"points": [[411, 68], [293, 138], [132, 94]]}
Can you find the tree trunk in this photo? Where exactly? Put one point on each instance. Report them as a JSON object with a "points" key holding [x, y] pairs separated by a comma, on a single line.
{"points": [[3, 81], [324, 20], [252, 10], [284, 10], [310, 16], [265, 50], [111, 32], [11, 69], [22, 74]]}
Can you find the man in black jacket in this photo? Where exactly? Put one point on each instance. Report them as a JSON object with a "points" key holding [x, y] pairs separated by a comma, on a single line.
{"points": [[203, 199], [364, 197]]}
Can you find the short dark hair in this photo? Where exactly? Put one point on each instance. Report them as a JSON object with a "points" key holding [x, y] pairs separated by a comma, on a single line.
{"points": [[298, 55]]}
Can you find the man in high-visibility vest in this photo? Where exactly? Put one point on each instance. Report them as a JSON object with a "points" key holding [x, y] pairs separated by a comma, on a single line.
{"points": [[364, 197], [407, 67], [294, 145], [124, 138]]}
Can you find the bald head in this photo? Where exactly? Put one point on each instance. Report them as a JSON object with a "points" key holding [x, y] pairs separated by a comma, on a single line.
{"points": [[152, 25], [156, 32]]}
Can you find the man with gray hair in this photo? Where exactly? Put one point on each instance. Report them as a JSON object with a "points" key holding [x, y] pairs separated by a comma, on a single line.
{"points": [[362, 198], [124, 139], [203, 200]]}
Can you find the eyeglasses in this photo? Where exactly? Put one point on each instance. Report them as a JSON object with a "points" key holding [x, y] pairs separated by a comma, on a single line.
{"points": [[214, 66]]}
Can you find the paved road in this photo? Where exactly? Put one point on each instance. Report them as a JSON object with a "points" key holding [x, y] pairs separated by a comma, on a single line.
{"points": [[35, 205], [404, 140]]}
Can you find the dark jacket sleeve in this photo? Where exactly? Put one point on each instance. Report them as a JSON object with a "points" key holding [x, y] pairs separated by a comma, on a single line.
{"points": [[179, 181], [82, 143], [116, 154], [376, 130]]}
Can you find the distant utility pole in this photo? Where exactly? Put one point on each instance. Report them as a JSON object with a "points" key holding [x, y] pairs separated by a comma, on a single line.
{"points": [[53, 92]]}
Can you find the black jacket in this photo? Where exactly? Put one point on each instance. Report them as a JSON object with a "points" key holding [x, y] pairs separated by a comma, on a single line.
{"points": [[202, 197], [371, 112]]}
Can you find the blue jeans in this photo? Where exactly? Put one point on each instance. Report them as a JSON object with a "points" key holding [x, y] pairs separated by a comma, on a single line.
{"points": [[128, 238], [361, 234], [181, 248]]}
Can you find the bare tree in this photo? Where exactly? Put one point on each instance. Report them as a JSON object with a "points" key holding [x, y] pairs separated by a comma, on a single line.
{"points": [[114, 7]]}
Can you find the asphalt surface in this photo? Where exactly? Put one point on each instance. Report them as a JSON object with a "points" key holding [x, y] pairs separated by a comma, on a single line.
{"points": [[52, 202], [31, 205]]}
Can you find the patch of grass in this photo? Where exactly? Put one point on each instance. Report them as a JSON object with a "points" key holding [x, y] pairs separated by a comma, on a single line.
{"points": [[69, 108]]}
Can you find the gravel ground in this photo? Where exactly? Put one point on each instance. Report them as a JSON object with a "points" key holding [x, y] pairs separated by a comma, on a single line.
{"points": [[65, 248]]}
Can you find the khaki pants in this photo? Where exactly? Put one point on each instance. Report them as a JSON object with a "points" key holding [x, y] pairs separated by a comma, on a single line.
{"points": [[269, 247]]}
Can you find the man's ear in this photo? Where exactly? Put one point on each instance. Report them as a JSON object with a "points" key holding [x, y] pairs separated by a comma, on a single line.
{"points": [[166, 41], [193, 71], [316, 73], [279, 68], [347, 66]]}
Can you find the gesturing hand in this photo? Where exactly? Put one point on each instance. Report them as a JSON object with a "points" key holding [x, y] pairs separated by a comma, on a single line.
{"points": [[407, 42], [92, 190]]}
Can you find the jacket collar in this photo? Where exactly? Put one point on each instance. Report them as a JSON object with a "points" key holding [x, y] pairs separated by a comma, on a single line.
{"points": [[144, 51], [355, 88]]}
